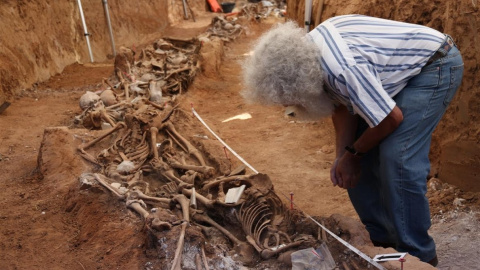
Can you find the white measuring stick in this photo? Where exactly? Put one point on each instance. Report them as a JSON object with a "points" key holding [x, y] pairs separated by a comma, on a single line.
{"points": [[352, 248], [345, 243], [220, 140]]}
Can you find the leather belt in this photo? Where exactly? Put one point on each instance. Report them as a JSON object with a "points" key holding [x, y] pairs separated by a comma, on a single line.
{"points": [[443, 50]]}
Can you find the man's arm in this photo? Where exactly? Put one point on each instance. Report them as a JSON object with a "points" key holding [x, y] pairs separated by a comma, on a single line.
{"points": [[345, 125], [346, 169], [373, 136]]}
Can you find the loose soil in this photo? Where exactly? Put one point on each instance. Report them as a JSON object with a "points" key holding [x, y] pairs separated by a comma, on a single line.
{"points": [[48, 222]]}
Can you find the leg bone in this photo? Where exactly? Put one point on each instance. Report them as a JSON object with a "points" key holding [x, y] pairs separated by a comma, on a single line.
{"points": [[181, 241], [190, 148], [104, 183], [153, 144], [183, 201], [203, 200], [138, 206], [206, 170], [81, 148], [268, 253], [138, 194]]}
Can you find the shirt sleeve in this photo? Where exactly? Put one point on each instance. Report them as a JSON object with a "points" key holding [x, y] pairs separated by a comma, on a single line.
{"points": [[367, 96]]}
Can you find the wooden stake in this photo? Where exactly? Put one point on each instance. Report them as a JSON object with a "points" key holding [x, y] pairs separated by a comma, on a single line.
{"points": [[319, 13]]}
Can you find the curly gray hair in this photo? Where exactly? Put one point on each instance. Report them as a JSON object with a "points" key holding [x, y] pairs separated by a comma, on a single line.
{"points": [[284, 69]]}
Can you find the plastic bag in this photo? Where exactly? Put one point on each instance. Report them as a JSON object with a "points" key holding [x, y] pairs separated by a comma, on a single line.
{"points": [[311, 259]]}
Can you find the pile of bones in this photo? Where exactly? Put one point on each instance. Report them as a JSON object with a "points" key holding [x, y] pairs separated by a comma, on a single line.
{"points": [[163, 176]]}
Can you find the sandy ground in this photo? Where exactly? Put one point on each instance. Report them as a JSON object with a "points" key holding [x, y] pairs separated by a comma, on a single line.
{"points": [[44, 224]]}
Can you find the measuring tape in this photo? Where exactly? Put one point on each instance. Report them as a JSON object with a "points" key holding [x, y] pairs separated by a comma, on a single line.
{"points": [[345, 243]]}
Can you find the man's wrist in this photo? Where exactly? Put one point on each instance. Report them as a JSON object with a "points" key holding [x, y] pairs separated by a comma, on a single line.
{"points": [[353, 151]]}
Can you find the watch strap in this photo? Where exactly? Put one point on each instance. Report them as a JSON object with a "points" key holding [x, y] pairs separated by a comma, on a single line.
{"points": [[354, 152]]}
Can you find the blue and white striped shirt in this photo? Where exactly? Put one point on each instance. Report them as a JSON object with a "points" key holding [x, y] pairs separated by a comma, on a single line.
{"points": [[367, 60]]}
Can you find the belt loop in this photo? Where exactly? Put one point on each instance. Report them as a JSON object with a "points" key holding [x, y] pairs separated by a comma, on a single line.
{"points": [[450, 41], [446, 45]]}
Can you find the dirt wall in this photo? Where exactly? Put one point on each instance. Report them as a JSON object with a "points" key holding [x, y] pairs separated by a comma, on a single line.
{"points": [[455, 146], [40, 38]]}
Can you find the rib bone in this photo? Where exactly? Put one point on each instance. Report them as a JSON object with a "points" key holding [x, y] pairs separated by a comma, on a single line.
{"points": [[254, 220], [260, 181], [244, 249]]}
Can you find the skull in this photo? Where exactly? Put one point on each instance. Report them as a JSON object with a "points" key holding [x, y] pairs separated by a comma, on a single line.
{"points": [[90, 100]]}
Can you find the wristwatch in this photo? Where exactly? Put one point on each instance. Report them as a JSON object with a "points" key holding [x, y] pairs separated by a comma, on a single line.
{"points": [[353, 151]]}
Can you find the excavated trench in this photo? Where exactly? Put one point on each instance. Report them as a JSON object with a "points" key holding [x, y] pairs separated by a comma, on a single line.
{"points": [[135, 186], [189, 204]]}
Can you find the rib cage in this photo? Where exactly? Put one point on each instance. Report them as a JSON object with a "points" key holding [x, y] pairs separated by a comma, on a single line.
{"points": [[254, 219], [261, 217]]}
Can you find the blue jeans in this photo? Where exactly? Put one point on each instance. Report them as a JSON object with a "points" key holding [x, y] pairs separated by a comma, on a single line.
{"points": [[390, 197]]}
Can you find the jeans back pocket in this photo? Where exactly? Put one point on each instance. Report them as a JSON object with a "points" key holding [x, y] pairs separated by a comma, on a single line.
{"points": [[456, 75], [428, 77]]}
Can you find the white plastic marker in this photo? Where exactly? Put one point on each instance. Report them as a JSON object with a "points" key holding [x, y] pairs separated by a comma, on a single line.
{"points": [[389, 257], [352, 248], [242, 116]]}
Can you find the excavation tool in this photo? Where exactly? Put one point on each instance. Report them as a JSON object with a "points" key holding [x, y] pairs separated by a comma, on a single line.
{"points": [[308, 15], [319, 12], [185, 9], [86, 34], [107, 17]]}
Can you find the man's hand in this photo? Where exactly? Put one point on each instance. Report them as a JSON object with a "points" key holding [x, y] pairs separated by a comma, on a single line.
{"points": [[347, 171], [333, 173]]}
